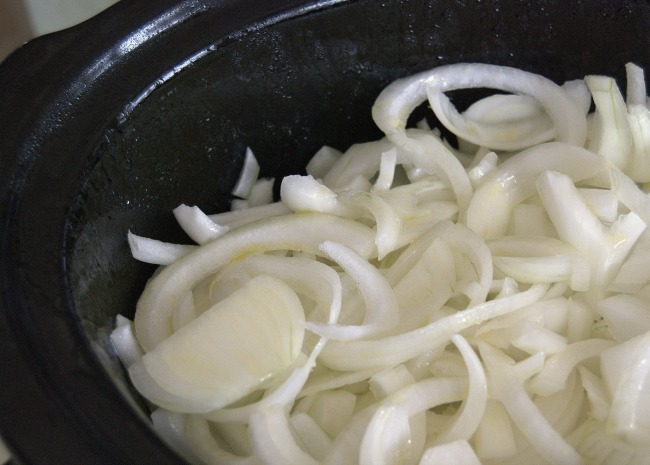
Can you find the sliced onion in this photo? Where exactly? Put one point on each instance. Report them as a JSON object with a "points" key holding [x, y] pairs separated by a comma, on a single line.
{"points": [[124, 341], [544, 438], [381, 312], [156, 252], [399, 99], [197, 224], [390, 351], [469, 416], [207, 364], [610, 133], [557, 369], [458, 452], [248, 175], [273, 441], [322, 161], [514, 181], [300, 232]]}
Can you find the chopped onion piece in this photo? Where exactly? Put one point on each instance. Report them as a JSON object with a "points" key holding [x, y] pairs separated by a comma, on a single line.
{"points": [[197, 224], [322, 161], [469, 416], [123, 339], [156, 252], [546, 440], [248, 175], [553, 376], [305, 194], [636, 91], [629, 416], [610, 136], [261, 193]]}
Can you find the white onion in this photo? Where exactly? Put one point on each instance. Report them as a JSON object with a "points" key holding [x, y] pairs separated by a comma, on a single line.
{"points": [[412, 302]]}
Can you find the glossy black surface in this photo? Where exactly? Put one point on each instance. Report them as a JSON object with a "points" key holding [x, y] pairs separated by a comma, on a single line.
{"points": [[108, 126]]}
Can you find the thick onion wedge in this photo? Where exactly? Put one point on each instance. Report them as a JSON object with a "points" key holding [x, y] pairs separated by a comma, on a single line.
{"points": [[227, 351]]}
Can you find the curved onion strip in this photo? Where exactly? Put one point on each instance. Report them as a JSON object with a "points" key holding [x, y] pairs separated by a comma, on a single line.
{"points": [[433, 157], [604, 246], [466, 241], [628, 417], [247, 176], [382, 312], [283, 395], [387, 437], [610, 134], [469, 416], [360, 160], [156, 252], [124, 341], [197, 224], [317, 280], [311, 436], [388, 222], [331, 380], [200, 440], [458, 452], [393, 350], [386, 171], [513, 117], [428, 393], [273, 441], [380, 440], [600, 448], [514, 180], [525, 131], [396, 102], [305, 194], [172, 427], [298, 232], [557, 368], [510, 391]]}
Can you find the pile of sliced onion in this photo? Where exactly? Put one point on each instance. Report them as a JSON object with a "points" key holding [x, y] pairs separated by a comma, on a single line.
{"points": [[417, 301]]}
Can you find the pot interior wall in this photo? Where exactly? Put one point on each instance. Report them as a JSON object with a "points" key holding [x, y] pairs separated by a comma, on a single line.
{"points": [[287, 88]]}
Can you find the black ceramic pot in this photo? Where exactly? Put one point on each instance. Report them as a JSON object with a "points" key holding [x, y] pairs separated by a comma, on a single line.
{"points": [[108, 126]]}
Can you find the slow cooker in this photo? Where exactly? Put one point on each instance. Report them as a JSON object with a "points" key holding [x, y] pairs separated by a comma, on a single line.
{"points": [[107, 126]]}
